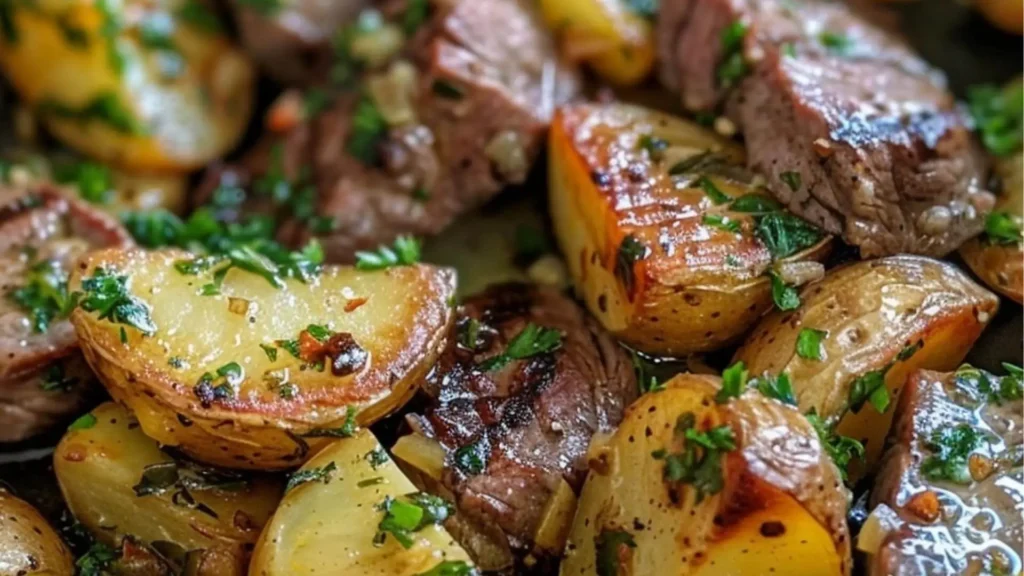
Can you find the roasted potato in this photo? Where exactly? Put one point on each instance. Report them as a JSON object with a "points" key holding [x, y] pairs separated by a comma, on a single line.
{"points": [[764, 498], [118, 483], [255, 376], [871, 324], [1007, 15], [136, 83], [332, 520], [642, 208], [608, 35], [28, 545], [1000, 262]]}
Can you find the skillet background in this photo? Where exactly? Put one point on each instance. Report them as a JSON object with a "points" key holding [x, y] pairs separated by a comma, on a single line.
{"points": [[947, 33]]}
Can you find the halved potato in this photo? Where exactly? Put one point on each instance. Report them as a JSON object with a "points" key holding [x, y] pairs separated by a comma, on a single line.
{"points": [[606, 34], [329, 524], [778, 507], [118, 483], [29, 546], [136, 83], [645, 247], [229, 378], [879, 319], [1001, 266]]}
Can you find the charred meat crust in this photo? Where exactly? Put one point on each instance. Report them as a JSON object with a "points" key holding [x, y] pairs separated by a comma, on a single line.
{"points": [[854, 131], [529, 423]]}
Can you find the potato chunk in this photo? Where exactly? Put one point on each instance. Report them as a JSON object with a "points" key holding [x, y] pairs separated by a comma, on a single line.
{"points": [[767, 501], [133, 82], [645, 208], [875, 322], [330, 519], [999, 262], [28, 545], [118, 483], [257, 376]]}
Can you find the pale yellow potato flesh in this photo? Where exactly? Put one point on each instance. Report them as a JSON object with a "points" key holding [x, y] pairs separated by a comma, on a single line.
{"points": [[871, 311], [188, 112], [98, 466], [28, 544], [327, 529], [398, 316], [769, 518]]}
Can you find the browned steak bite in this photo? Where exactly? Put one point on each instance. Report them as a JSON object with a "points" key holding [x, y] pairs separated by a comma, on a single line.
{"points": [[291, 40], [43, 378], [527, 378], [430, 131], [949, 496], [853, 130]]}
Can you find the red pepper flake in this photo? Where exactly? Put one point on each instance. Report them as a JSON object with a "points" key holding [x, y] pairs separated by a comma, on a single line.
{"points": [[353, 304]]}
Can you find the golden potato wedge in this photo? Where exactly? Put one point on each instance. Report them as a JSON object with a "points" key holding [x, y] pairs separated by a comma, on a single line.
{"points": [[329, 522], [878, 321], [646, 247], [1001, 265], [28, 544], [118, 483], [258, 376], [1007, 15], [773, 503], [136, 83], [606, 34]]}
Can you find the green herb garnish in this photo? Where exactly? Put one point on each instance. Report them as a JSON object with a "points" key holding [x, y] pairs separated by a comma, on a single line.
{"points": [[808, 343], [951, 447], [870, 387], [722, 223], [44, 296], [403, 517], [784, 234], [733, 65], [630, 251], [713, 192], [84, 422], [1003, 228], [791, 179], [838, 44], [405, 252], [348, 427], [777, 387], [55, 380], [106, 108], [734, 382], [755, 204], [608, 550], [451, 568], [96, 560], [109, 295], [533, 340], [319, 474], [841, 449], [368, 130], [784, 296], [699, 464], [999, 116]]}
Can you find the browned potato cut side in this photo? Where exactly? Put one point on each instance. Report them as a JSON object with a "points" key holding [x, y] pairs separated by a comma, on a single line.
{"points": [[781, 507], [385, 329], [103, 464], [871, 313], [999, 265], [690, 285], [28, 544]]}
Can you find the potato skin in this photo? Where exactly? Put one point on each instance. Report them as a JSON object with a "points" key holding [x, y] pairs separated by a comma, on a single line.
{"points": [[1007, 15], [28, 544], [699, 287], [1001, 266], [328, 528], [401, 324], [97, 467], [183, 120], [781, 510], [871, 311]]}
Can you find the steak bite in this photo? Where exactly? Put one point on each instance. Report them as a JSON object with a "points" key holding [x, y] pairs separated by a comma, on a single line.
{"points": [[854, 132], [527, 378], [43, 377], [423, 134], [948, 498]]}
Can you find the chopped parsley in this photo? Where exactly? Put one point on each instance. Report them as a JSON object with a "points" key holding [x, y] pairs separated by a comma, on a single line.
{"points": [[197, 14], [755, 204], [733, 65], [713, 192], [451, 568], [629, 253], [44, 296], [791, 179], [999, 116], [870, 387], [84, 422], [699, 463], [608, 549], [94, 181], [808, 343], [994, 389], [405, 252], [348, 427], [646, 382], [376, 457], [654, 146], [106, 107], [270, 351], [265, 7], [784, 296], [841, 449], [777, 387], [55, 380], [322, 474], [950, 449], [1003, 228], [96, 560], [369, 128], [838, 44], [734, 382], [109, 295], [447, 90], [784, 234], [416, 13], [471, 459], [533, 340], [412, 513], [722, 223]]}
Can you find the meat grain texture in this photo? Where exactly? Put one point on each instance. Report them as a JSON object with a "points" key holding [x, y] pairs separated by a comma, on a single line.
{"points": [[529, 423], [854, 131]]}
